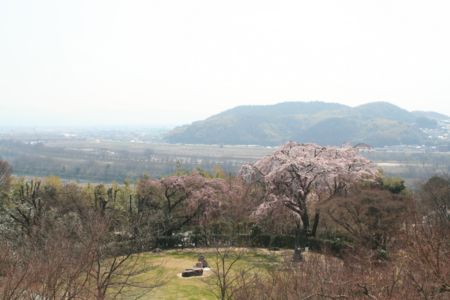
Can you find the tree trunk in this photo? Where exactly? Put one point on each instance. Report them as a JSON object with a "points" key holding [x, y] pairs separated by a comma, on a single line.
{"points": [[297, 256], [305, 220], [315, 224]]}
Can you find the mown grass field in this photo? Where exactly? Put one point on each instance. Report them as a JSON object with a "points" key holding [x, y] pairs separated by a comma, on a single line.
{"points": [[167, 266]]}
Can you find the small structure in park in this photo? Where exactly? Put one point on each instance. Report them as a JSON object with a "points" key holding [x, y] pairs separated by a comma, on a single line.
{"points": [[201, 262], [197, 270], [192, 272], [298, 256]]}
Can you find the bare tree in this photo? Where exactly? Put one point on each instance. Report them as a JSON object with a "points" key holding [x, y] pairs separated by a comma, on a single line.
{"points": [[427, 246], [114, 270], [5, 174], [226, 275], [435, 197], [29, 206], [52, 268], [66, 249], [372, 217]]}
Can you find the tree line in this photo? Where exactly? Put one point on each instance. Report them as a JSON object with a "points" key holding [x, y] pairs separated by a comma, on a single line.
{"points": [[62, 240]]}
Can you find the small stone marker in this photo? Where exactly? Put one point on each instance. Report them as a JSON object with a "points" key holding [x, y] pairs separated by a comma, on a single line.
{"points": [[202, 263]]}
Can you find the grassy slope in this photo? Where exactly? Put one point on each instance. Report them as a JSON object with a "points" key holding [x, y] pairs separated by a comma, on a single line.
{"points": [[171, 263]]}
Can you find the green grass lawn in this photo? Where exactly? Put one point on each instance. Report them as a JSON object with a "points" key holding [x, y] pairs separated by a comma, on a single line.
{"points": [[169, 264]]}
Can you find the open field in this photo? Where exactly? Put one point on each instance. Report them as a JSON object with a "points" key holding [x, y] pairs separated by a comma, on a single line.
{"points": [[171, 263], [106, 159]]}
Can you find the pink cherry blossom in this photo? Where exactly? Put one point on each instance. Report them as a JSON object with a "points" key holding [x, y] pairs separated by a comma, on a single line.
{"points": [[298, 173]]}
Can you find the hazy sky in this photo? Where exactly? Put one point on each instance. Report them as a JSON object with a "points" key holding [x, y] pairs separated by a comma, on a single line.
{"points": [[174, 61]]}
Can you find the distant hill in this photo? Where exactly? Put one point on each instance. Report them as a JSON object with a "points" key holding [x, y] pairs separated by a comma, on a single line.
{"points": [[431, 115], [377, 124]]}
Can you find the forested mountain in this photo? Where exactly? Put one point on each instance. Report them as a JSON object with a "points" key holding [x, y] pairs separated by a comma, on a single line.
{"points": [[377, 123]]}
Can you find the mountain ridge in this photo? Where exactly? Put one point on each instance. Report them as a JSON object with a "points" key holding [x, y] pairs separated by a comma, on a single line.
{"points": [[375, 123]]}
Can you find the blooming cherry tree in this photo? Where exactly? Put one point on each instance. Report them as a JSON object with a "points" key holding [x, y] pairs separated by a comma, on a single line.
{"points": [[181, 199], [297, 174]]}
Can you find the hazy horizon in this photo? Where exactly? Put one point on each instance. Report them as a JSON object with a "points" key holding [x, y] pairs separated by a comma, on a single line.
{"points": [[63, 124], [166, 63]]}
